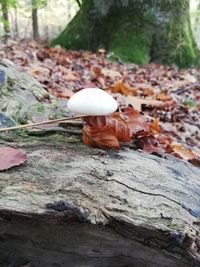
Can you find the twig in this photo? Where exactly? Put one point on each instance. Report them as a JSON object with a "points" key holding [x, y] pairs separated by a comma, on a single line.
{"points": [[190, 87], [78, 2], [40, 123]]}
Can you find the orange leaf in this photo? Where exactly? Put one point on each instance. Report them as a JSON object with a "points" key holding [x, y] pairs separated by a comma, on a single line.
{"points": [[96, 121], [147, 91], [113, 122], [102, 137], [136, 122], [184, 153], [123, 89], [120, 127], [155, 126], [163, 97]]}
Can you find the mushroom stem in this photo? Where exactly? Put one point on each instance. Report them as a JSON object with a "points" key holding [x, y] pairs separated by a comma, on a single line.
{"points": [[40, 123]]}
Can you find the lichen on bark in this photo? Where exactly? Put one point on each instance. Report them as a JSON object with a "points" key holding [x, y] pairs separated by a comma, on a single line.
{"points": [[135, 31]]}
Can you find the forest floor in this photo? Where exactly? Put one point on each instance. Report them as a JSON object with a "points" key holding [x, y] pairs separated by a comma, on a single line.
{"points": [[169, 98]]}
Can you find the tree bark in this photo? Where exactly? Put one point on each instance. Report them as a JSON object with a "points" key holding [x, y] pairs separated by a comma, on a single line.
{"points": [[135, 31], [70, 205], [35, 20], [5, 17], [16, 23]]}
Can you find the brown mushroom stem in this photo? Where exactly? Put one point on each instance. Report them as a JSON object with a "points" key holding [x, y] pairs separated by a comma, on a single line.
{"points": [[41, 123]]}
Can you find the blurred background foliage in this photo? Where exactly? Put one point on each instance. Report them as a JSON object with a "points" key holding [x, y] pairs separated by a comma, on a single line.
{"points": [[52, 17], [16, 17]]}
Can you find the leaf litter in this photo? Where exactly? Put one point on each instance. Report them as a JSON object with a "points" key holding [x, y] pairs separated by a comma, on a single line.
{"points": [[159, 106]]}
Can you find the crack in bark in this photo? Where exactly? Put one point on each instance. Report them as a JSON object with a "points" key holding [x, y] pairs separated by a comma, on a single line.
{"points": [[95, 173], [152, 194]]}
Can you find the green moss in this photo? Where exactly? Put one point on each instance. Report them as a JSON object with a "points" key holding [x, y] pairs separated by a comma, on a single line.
{"points": [[183, 51], [136, 32], [131, 42], [39, 107], [130, 45]]}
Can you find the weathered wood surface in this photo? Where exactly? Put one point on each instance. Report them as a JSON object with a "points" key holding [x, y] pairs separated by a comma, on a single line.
{"points": [[116, 208], [23, 99], [71, 205]]}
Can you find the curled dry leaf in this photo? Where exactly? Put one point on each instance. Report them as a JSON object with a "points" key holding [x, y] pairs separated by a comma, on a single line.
{"points": [[136, 122], [10, 157], [99, 130], [102, 137]]}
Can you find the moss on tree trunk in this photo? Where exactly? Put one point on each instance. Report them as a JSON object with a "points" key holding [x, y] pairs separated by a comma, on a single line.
{"points": [[135, 31]]}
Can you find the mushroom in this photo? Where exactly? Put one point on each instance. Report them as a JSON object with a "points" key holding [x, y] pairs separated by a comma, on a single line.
{"points": [[92, 102]]}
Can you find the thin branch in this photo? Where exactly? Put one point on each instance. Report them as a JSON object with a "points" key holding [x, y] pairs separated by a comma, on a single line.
{"points": [[40, 123], [78, 2]]}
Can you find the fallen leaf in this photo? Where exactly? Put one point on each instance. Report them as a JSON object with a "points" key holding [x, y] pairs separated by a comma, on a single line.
{"points": [[163, 97], [102, 137], [137, 102], [183, 152], [149, 144], [70, 76], [111, 73], [136, 122], [65, 94], [195, 162], [10, 157], [115, 123], [123, 89], [120, 127], [155, 126]]}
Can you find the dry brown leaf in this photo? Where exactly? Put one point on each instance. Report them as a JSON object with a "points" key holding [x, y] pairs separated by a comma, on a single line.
{"points": [[111, 73], [10, 157], [102, 137], [155, 126], [183, 152], [123, 89], [137, 102]]}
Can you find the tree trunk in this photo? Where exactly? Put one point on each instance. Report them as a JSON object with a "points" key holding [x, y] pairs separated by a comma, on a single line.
{"points": [[5, 17], [135, 31], [16, 23], [35, 20]]}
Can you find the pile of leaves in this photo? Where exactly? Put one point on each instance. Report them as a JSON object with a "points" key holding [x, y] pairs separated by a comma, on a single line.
{"points": [[129, 126], [165, 101]]}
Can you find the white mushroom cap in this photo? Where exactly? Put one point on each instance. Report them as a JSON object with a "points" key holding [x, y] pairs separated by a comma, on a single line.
{"points": [[92, 102]]}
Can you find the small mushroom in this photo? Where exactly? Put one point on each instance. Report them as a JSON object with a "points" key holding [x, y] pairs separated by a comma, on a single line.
{"points": [[92, 102]]}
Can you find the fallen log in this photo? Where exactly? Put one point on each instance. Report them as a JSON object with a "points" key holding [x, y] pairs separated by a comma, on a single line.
{"points": [[70, 205]]}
